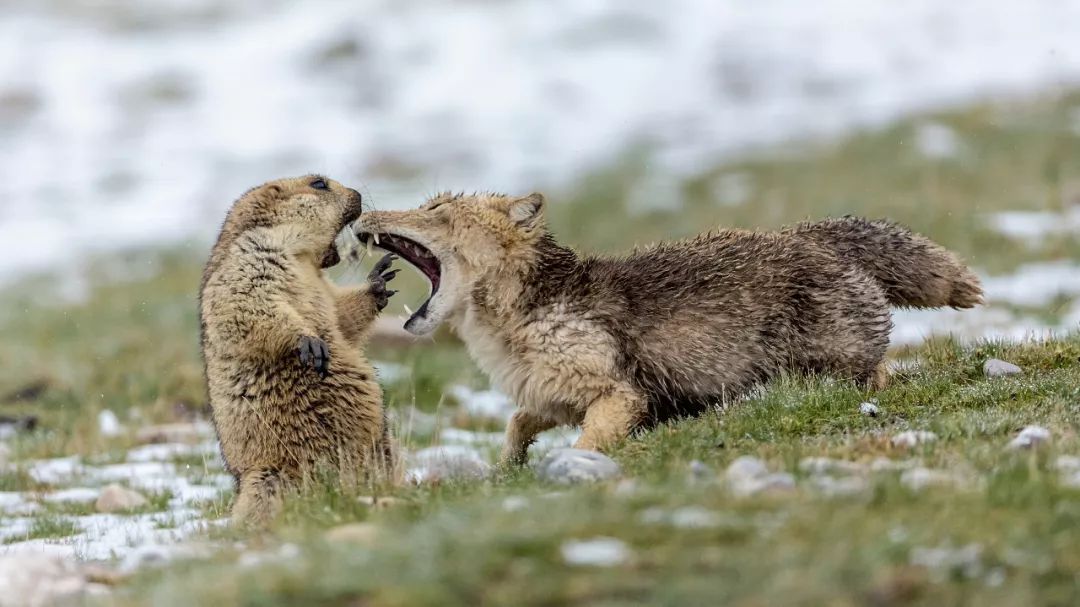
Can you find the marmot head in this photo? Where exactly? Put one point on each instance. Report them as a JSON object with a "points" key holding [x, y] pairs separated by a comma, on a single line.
{"points": [[456, 240], [310, 210]]}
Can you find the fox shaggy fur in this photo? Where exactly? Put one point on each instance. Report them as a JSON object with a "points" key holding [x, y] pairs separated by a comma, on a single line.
{"points": [[291, 392], [614, 344]]}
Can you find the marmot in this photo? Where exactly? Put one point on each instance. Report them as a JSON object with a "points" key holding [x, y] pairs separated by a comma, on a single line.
{"points": [[291, 392], [620, 343]]}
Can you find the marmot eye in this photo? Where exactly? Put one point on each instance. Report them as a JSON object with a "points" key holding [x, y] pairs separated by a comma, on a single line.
{"points": [[320, 184]]}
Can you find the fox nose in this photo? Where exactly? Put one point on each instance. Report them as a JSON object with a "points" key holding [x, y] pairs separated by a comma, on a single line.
{"points": [[356, 195]]}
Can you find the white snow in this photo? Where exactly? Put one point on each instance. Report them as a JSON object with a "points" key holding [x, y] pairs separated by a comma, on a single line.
{"points": [[409, 98]]}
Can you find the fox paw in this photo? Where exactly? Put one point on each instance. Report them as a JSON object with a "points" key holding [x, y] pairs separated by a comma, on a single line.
{"points": [[314, 353], [378, 278]]}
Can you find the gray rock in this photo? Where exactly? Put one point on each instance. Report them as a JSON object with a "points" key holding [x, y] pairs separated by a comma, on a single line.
{"points": [[827, 465], [32, 580], [571, 466], [448, 463], [116, 498], [746, 467], [870, 409], [699, 471], [1029, 437], [999, 368]]}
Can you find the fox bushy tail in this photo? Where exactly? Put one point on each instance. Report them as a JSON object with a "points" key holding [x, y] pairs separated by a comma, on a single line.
{"points": [[914, 271]]}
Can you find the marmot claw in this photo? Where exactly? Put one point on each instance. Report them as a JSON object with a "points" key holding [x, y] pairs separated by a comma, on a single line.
{"points": [[378, 278], [314, 353]]}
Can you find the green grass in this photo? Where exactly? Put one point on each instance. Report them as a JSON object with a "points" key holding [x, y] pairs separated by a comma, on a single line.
{"points": [[132, 347], [459, 545]]}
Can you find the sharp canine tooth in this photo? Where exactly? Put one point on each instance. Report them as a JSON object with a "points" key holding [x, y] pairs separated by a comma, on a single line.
{"points": [[407, 309], [376, 235], [369, 245]]}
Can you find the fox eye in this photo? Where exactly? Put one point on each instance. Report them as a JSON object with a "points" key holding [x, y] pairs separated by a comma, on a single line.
{"points": [[319, 184]]}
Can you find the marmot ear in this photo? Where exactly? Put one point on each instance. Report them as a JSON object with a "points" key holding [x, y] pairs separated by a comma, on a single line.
{"points": [[528, 211]]}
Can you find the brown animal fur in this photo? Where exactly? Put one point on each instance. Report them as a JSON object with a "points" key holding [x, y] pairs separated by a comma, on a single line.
{"points": [[284, 410], [615, 344]]}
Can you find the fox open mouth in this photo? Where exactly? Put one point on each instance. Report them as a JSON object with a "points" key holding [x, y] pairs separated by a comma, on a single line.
{"points": [[414, 253]]}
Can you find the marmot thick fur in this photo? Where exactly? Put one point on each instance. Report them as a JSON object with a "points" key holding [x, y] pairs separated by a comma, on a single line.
{"points": [[617, 343], [291, 392]]}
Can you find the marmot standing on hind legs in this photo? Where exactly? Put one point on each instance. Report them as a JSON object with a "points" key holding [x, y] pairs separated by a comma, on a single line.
{"points": [[291, 392], [613, 344]]}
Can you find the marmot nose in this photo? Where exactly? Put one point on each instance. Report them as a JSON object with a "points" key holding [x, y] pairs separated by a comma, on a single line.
{"points": [[356, 194]]}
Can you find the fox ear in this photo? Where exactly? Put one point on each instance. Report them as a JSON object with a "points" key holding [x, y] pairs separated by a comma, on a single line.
{"points": [[527, 211]]}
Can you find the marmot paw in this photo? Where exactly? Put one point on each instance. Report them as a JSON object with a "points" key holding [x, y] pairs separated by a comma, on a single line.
{"points": [[378, 278], [314, 353]]}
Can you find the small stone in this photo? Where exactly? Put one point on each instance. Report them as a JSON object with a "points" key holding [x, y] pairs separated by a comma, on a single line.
{"points": [[921, 478], [1030, 436], [596, 552], [999, 368], [699, 471], [363, 534], [448, 463], [168, 433], [912, 438], [746, 467], [572, 466], [827, 465], [117, 498], [108, 424], [869, 409], [39, 579]]}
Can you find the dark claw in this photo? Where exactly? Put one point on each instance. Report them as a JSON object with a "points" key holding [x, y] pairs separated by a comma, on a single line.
{"points": [[382, 265], [314, 353]]}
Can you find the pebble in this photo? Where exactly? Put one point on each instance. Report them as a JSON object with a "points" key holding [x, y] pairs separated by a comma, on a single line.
{"points": [[353, 533], [448, 463], [33, 580], [828, 465], [748, 475], [1030, 436], [921, 478], [572, 466], [699, 471], [911, 438], [108, 424], [596, 552], [746, 467], [117, 498], [999, 368], [869, 409]]}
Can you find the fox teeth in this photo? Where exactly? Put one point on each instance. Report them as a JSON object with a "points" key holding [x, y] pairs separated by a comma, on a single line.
{"points": [[407, 309], [375, 235], [369, 246]]}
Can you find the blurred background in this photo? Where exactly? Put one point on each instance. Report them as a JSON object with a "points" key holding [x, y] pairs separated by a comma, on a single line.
{"points": [[127, 128]]}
